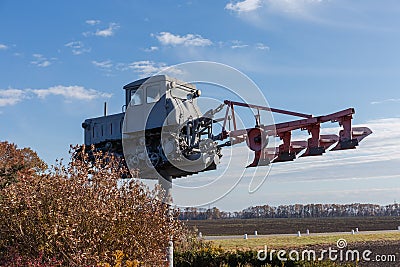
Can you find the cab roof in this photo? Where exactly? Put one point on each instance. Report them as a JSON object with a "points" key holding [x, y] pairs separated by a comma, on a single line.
{"points": [[136, 84]]}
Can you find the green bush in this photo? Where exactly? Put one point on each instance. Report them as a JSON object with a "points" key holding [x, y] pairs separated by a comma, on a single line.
{"points": [[216, 257]]}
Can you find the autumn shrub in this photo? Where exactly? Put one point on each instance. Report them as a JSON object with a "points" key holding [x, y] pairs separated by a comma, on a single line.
{"points": [[16, 162], [81, 213], [16, 260]]}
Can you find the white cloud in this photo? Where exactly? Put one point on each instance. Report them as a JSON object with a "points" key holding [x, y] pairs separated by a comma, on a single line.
{"points": [[45, 63], [167, 38], [196, 40], [389, 100], [77, 47], [3, 47], [41, 61], [9, 97], [70, 92], [107, 31], [144, 68], [238, 44], [151, 49], [244, 6], [103, 64], [261, 46], [267, 9], [92, 22], [292, 6]]}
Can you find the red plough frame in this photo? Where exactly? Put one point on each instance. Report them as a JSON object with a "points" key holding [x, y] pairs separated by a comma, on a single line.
{"points": [[316, 145]]}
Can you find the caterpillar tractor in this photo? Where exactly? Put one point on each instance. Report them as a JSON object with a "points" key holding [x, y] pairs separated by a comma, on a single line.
{"points": [[162, 129]]}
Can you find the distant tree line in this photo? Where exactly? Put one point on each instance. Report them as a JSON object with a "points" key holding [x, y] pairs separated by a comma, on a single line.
{"points": [[293, 211]]}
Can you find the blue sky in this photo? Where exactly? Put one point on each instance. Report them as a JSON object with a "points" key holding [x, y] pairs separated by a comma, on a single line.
{"points": [[60, 60]]}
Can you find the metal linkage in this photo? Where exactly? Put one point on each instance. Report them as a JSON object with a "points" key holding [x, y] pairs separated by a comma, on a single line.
{"points": [[289, 150]]}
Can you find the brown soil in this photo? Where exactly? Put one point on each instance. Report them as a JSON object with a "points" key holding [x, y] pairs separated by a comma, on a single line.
{"points": [[290, 226]]}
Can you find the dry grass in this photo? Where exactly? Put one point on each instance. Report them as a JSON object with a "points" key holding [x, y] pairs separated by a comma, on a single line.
{"points": [[281, 242]]}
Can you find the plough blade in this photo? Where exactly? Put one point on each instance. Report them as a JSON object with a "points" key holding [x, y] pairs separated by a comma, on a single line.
{"points": [[260, 159], [299, 146], [285, 156], [328, 140], [360, 133], [296, 148], [325, 142], [314, 151], [347, 144]]}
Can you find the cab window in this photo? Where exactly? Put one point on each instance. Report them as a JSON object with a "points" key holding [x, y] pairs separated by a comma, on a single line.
{"points": [[136, 97], [153, 94]]}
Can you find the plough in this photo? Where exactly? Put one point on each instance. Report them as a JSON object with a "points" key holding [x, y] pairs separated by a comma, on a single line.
{"points": [[348, 138]]}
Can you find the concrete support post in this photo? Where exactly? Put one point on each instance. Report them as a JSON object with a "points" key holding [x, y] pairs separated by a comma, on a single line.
{"points": [[166, 184]]}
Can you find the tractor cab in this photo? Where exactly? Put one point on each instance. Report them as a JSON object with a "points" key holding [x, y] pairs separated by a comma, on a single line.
{"points": [[159, 101]]}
